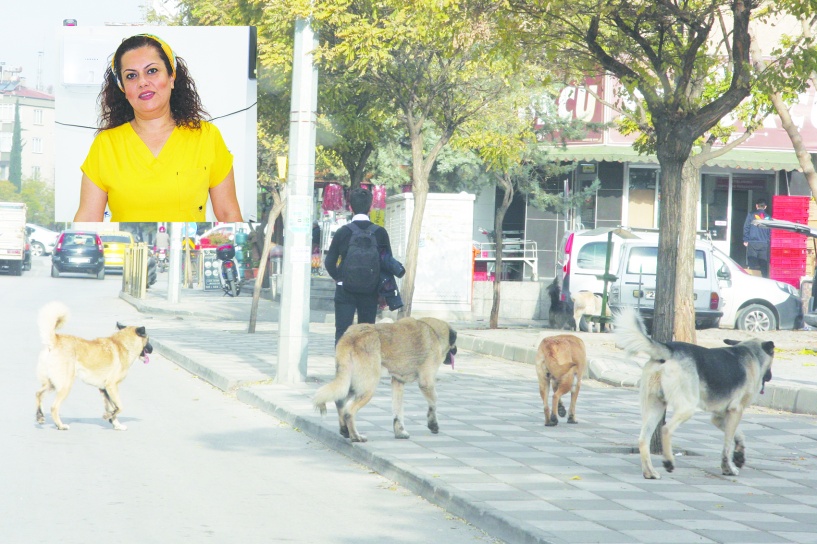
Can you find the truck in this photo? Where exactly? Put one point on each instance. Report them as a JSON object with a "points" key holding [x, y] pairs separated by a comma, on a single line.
{"points": [[12, 236]]}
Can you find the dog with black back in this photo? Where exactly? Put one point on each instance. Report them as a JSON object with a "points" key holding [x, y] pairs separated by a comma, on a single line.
{"points": [[682, 376], [560, 315]]}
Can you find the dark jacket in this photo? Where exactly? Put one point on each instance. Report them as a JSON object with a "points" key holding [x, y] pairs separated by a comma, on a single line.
{"points": [[753, 233], [340, 245]]}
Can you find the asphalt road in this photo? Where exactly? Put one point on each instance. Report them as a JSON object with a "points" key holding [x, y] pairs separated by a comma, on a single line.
{"points": [[195, 464]]}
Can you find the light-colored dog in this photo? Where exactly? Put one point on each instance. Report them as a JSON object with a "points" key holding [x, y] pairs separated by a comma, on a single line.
{"points": [[410, 349], [561, 361], [103, 363], [681, 376], [586, 303]]}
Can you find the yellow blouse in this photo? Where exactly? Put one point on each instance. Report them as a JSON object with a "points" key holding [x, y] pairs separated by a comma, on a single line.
{"points": [[171, 187]]}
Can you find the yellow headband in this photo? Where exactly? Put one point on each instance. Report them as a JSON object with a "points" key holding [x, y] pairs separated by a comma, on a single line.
{"points": [[166, 48]]}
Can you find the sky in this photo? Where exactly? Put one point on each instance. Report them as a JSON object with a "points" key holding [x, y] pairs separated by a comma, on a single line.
{"points": [[27, 27]]}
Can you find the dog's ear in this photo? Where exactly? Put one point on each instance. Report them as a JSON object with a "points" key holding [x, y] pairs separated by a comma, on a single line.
{"points": [[120, 326], [768, 347], [140, 331], [731, 342]]}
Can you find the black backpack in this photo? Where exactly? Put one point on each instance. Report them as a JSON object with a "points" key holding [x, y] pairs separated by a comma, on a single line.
{"points": [[361, 266]]}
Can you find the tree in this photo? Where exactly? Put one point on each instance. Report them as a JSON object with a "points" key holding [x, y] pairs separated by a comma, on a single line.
{"points": [[16, 156], [434, 62], [507, 137], [659, 51]]}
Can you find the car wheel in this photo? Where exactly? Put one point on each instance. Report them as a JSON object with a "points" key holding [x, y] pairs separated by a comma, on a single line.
{"points": [[101, 274], [756, 318], [17, 268], [37, 249], [55, 273]]}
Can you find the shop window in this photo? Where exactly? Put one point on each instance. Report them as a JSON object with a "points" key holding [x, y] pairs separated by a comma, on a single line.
{"points": [[643, 197]]}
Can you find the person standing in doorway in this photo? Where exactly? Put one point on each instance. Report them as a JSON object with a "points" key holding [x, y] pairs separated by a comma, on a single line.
{"points": [[353, 261], [757, 239]]}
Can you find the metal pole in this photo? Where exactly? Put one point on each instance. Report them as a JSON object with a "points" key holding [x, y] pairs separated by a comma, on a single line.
{"points": [[174, 270], [293, 324]]}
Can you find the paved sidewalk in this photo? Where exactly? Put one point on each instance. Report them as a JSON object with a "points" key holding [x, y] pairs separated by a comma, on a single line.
{"points": [[495, 464]]}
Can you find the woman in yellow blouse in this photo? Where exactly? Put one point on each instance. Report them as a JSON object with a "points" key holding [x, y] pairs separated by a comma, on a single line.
{"points": [[155, 158]]}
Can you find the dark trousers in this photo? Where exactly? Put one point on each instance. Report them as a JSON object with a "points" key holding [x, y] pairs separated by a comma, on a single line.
{"points": [[757, 257], [346, 304]]}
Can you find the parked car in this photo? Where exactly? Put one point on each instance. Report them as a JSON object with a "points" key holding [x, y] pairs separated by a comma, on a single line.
{"points": [[43, 240], [810, 316], [78, 251], [636, 277], [753, 303], [114, 245]]}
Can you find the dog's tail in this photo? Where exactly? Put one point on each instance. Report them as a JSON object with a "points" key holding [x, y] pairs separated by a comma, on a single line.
{"points": [[52, 316], [631, 336], [339, 387]]}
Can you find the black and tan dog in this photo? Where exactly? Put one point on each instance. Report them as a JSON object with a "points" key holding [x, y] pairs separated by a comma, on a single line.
{"points": [[103, 363], [560, 314], [561, 361], [410, 349], [723, 381]]}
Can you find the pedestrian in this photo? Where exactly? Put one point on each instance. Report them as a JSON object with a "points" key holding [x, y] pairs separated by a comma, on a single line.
{"points": [[357, 277], [154, 157], [162, 239], [757, 239]]}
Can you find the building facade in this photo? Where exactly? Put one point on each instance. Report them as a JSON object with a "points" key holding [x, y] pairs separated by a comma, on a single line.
{"points": [[37, 123]]}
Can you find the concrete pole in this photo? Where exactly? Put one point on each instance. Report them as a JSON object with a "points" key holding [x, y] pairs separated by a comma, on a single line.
{"points": [[293, 325], [174, 270]]}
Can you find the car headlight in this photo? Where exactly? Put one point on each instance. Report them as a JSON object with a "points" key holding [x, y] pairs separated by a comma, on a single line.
{"points": [[788, 288]]}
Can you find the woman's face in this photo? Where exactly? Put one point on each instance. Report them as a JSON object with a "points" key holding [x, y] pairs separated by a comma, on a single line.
{"points": [[147, 83]]}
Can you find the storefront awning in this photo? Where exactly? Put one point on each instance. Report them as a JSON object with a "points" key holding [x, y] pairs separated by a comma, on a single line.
{"points": [[737, 158]]}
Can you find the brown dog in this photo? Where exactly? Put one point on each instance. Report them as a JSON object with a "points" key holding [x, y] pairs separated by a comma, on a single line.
{"points": [[561, 361], [586, 303], [103, 363]]}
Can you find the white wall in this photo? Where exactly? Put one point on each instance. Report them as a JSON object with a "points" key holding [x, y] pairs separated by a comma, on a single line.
{"points": [[218, 59]]}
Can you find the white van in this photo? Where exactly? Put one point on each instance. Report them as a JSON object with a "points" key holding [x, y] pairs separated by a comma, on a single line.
{"points": [[753, 303], [638, 271]]}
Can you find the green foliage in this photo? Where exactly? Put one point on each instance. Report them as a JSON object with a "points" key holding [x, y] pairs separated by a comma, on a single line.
{"points": [[38, 197]]}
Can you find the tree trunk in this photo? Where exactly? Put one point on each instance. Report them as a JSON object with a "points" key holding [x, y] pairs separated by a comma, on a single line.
{"points": [[499, 219], [668, 240], [684, 326], [278, 205]]}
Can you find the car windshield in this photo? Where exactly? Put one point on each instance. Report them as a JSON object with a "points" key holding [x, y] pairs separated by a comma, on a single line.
{"points": [[115, 239], [78, 239]]}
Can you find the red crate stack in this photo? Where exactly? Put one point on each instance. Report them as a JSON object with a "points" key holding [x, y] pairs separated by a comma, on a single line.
{"points": [[787, 261]]}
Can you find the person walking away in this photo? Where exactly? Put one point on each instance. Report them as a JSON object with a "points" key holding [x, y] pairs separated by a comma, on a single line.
{"points": [[353, 261], [757, 239]]}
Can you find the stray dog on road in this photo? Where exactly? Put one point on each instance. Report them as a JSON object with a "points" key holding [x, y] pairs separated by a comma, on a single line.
{"points": [[410, 349], [561, 362], [723, 381], [103, 363], [559, 314], [586, 303]]}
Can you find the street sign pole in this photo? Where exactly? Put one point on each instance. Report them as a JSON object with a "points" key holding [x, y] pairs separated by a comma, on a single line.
{"points": [[293, 324]]}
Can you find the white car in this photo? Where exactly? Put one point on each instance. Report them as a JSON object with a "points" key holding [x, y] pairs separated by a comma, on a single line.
{"points": [[42, 239], [753, 303]]}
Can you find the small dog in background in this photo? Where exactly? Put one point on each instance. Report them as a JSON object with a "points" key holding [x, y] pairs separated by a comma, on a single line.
{"points": [[561, 361], [586, 303], [560, 315]]}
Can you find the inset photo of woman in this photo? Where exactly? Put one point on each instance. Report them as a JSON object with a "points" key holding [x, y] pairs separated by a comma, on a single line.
{"points": [[156, 124]]}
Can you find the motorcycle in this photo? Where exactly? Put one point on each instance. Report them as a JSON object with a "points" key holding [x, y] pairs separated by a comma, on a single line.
{"points": [[161, 259], [229, 270]]}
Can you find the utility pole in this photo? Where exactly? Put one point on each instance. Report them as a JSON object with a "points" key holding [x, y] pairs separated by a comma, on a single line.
{"points": [[293, 324]]}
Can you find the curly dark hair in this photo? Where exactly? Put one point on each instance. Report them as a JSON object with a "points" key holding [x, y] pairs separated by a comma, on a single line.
{"points": [[185, 105]]}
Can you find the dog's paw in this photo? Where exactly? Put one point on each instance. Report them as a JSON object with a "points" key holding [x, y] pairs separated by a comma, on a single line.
{"points": [[562, 411], [433, 427], [728, 468], [344, 432], [63, 427], [358, 438], [739, 458], [572, 419], [651, 475], [669, 465], [552, 422]]}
